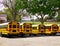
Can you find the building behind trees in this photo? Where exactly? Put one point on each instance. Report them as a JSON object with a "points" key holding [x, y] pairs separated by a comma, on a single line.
{"points": [[3, 18]]}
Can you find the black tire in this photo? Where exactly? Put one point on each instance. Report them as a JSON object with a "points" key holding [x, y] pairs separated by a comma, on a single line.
{"points": [[2, 35], [47, 34], [54, 34], [21, 34], [9, 36], [34, 34], [30, 34]]}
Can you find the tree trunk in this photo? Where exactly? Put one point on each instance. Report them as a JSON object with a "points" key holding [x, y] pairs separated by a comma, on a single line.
{"points": [[12, 11], [20, 18], [42, 18], [13, 15]]}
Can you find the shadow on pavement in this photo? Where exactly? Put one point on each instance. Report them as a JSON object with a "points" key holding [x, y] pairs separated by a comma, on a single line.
{"points": [[31, 36]]}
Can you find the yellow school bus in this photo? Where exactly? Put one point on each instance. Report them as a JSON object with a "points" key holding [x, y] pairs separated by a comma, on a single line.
{"points": [[35, 30], [41, 29], [3, 30], [26, 28], [12, 28], [55, 29], [48, 30]]}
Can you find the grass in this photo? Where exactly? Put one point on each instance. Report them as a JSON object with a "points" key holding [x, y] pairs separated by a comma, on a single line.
{"points": [[37, 23]]}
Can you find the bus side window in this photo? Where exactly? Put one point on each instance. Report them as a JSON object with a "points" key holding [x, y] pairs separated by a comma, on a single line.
{"points": [[34, 28], [17, 26], [14, 26], [10, 26]]}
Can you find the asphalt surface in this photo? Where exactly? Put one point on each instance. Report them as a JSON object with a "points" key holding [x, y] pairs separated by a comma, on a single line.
{"points": [[31, 41]]}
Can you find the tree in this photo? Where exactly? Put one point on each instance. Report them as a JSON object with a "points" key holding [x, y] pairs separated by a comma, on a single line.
{"points": [[58, 18], [54, 7], [37, 6], [20, 6], [9, 16], [12, 7], [41, 7]]}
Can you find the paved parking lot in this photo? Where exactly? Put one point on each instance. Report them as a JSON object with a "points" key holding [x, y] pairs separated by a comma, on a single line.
{"points": [[31, 41]]}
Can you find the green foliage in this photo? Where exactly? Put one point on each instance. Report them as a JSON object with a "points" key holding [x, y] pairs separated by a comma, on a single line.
{"points": [[54, 3], [58, 18], [38, 6], [20, 4], [17, 18], [35, 6], [8, 13]]}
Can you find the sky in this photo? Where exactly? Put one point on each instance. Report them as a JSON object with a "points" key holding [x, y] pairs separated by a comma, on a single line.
{"points": [[1, 6]]}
